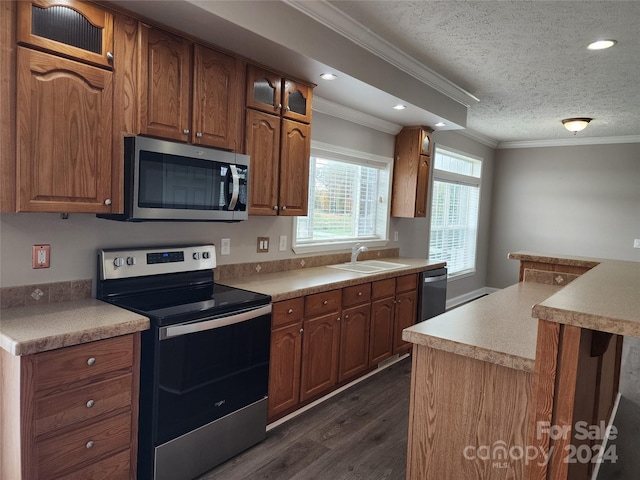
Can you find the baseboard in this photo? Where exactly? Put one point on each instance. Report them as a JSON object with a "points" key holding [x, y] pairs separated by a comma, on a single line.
{"points": [[467, 297]]}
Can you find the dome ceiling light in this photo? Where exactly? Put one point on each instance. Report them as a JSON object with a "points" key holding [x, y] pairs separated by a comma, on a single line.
{"points": [[576, 124], [601, 44]]}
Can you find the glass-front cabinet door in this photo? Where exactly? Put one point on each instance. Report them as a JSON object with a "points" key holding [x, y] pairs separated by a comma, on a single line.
{"points": [[264, 90]]}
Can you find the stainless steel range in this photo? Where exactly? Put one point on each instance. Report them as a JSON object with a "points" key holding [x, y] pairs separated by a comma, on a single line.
{"points": [[204, 361]]}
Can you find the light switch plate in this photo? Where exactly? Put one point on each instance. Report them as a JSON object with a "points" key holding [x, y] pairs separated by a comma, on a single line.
{"points": [[263, 244], [636, 243], [283, 243], [225, 246]]}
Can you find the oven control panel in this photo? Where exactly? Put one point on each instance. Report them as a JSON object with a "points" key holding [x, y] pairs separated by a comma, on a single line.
{"points": [[138, 262]]}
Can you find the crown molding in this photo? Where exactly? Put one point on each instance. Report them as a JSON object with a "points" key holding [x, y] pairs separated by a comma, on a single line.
{"points": [[478, 137], [333, 109], [330, 16], [570, 142]]}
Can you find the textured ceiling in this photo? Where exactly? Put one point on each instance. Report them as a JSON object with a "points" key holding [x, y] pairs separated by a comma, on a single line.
{"points": [[526, 61]]}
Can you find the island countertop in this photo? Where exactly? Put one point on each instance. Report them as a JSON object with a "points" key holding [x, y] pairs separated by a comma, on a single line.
{"points": [[38, 328], [497, 328], [307, 281]]}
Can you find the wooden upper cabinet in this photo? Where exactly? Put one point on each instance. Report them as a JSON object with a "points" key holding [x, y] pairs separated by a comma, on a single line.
{"points": [[264, 90], [296, 101], [217, 99], [295, 149], [164, 85], [263, 147], [411, 172], [64, 124], [270, 92], [189, 92], [70, 28]]}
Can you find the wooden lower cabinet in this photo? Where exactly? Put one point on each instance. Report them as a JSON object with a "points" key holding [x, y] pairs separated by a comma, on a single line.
{"points": [[320, 347], [71, 413], [326, 339]]}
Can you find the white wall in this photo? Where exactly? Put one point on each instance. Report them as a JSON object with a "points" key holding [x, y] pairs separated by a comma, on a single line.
{"points": [[580, 200]]}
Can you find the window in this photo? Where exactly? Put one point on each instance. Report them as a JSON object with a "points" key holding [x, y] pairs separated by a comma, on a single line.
{"points": [[455, 203], [348, 200]]}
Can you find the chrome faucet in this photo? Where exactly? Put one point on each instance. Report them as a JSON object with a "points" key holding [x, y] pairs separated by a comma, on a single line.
{"points": [[355, 251]]}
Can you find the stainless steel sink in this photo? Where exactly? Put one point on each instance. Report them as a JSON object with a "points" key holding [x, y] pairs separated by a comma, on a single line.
{"points": [[368, 266]]}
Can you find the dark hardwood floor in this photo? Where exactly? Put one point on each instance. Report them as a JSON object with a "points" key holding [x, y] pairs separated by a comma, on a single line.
{"points": [[360, 434]]}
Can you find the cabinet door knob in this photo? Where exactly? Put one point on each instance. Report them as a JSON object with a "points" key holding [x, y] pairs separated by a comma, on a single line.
{"points": [[90, 403], [288, 109], [110, 56], [284, 207], [91, 361], [301, 330], [290, 311], [325, 302], [185, 131], [279, 105], [359, 294], [89, 444], [275, 207], [107, 202], [339, 319], [199, 134]]}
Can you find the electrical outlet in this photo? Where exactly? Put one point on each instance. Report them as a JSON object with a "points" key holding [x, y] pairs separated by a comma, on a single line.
{"points": [[40, 256], [225, 246], [283, 243], [636, 243], [263, 244]]}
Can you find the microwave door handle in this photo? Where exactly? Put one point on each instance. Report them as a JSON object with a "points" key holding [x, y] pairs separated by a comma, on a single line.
{"points": [[236, 187]]}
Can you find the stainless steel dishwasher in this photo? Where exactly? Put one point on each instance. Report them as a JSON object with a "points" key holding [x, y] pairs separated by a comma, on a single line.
{"points": [[433, 294]]}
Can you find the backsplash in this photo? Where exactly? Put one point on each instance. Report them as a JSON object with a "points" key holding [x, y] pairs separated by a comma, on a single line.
{"points": [[239, 270], [26, 295]]}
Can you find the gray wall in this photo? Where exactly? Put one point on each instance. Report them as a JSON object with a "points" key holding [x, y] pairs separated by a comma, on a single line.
{"points": [[414, 233], [580, 200], [74, 241]]}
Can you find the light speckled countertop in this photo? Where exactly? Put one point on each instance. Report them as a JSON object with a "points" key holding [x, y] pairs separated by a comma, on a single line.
{"points": [[606, 298], [38, 328], [497, 328], [306, 281]]}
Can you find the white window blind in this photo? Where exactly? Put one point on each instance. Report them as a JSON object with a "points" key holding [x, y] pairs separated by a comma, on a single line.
{"points": [[348, 200], [454, 211]]}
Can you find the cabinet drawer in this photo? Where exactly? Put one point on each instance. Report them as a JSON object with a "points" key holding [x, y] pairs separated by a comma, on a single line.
{"points": [[356, 295], [322, 303], [383, 288], [58, 411], [115, 467], [82, 446], [407, 283], [289, 311], [66, 365]]}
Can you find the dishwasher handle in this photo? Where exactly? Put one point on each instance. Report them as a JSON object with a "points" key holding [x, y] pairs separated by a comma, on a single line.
{"points": [[435, 279]]}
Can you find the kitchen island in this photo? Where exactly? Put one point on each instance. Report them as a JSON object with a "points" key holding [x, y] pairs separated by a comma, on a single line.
{"points": [[498, 394]]}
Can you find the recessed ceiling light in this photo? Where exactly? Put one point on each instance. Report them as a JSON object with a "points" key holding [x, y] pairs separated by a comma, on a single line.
{"points": [[328, 76], [399, 106], [441, 124], [602, 44]]}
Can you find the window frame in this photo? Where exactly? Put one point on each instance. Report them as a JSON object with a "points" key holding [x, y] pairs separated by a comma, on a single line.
{"points": [[462, 179], [358, 157]]}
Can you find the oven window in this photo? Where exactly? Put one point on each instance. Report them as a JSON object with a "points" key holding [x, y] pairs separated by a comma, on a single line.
{"points": [[206, 375], [172, 181]]}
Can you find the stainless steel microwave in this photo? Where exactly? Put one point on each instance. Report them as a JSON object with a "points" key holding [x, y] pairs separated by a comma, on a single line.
{"points": [[169, 181]]}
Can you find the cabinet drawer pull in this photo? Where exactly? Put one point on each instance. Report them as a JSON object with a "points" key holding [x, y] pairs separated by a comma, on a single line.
{"points": [[326, 302], [89, 444], [290, 311], [359, 294], [90, 403], [91, 361]]}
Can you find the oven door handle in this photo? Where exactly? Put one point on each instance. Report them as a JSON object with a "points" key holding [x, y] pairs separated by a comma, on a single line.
{"points": [[214, 322]]}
